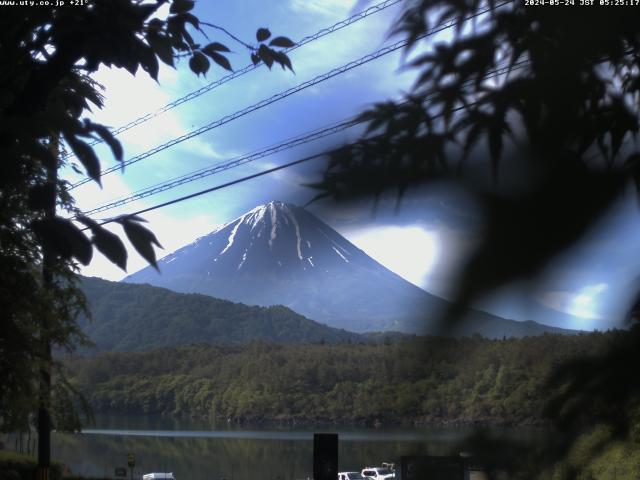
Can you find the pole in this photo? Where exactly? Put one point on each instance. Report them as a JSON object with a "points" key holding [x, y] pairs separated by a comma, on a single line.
{"points": [[44, 396], [325, 456]]}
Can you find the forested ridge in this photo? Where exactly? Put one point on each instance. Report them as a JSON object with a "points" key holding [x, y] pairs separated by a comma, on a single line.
{"points": [[138, 317], [421, 380], [128, 317]]}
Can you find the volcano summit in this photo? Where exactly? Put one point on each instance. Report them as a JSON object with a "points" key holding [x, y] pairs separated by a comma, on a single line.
{"points": [[280, 253]]}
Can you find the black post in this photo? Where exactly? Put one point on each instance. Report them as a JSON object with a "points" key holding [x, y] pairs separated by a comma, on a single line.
{"points": [[44, 396], [325, 456]]}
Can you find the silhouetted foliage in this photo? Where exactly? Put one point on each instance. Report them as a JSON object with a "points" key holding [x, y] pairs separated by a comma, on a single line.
{"points": [[14, 466], [549, 95], [534, 111], [47, 55], [600, 389]]}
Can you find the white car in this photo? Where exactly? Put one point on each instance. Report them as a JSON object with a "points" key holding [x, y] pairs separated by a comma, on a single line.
{"points": [[158, 476], [378, 473], [350, 476]]}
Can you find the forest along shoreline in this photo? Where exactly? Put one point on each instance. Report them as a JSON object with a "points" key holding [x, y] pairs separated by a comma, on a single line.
{"points": [[419, 382]]}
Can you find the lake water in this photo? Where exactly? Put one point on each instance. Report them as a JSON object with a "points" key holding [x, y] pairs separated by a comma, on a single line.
{"points": [[198, 450]]}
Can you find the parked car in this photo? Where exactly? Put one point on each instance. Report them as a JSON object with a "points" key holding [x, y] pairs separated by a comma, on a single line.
{"points": [[158, 476], [378, 473], [350, 476]]}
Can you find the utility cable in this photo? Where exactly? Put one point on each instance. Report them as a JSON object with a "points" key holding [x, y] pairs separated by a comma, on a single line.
{"points": [[246, 69], [266, 172], [286, 145], [286, 93], [301, 140], [219, 187], [240, 180]]}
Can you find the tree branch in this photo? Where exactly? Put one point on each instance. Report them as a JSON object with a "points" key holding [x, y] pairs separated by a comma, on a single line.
{"points": [[222, 29]]}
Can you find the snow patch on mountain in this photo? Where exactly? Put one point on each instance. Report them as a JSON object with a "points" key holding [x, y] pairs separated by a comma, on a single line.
{"points": [[274, 225], [231, 238], [340, 254], [297, 228], [280, 254]]}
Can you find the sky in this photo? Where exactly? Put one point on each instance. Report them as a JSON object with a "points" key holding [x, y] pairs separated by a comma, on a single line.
{"points": [[424, 241]]}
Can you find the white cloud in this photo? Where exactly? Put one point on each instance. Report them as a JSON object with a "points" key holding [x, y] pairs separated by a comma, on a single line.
{"points": [[90, 195], [584, 303], [202, 148], [330, 8], [410, 251], [429, 255], [128, 97]]}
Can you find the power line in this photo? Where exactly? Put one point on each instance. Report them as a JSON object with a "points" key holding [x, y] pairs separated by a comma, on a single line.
{"points": [[270, 170], [259, 105], [297, 141], [273, 149], [220, 187], [284, 94], [248, 68], [240, 180]]}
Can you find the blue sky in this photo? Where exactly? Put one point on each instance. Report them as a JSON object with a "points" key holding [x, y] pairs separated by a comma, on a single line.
{"points": [[424, 243]]}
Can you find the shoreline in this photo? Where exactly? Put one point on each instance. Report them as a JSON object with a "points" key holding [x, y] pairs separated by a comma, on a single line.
{"points": [[373, 423]]}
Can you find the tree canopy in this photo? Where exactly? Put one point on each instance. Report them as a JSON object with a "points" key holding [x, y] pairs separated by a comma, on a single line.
{"points": [[535, 111], [532, 109], [47, 57]]}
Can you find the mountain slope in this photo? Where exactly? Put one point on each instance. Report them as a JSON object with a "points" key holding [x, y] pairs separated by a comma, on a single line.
{"points": [[281, 254], [141, 317]]}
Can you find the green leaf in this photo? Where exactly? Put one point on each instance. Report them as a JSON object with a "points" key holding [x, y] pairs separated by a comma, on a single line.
{"points": [[497, 127], [181, 6], [266, 55], [188, 38], [130, 66], [110, 245], [108, 138], [135, 218], [42, 197], [283, 60], [63, 238], [282, 42], [148, 60], [192, 19], [161, 46], [215, 47], [141, 238], [199, 63], [155, 25], [89, 91], [107, 243], [144, 11], [86, 155], [43, 153], [220, 60], [88, 222], [255, 58], [262, 34], [471, 139]]}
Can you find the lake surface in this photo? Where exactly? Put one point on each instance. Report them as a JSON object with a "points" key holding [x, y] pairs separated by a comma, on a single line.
{"points": [[200, 450]]}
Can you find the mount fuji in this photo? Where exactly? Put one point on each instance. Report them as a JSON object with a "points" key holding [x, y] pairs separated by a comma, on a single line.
{"points": [[280, 254]]}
